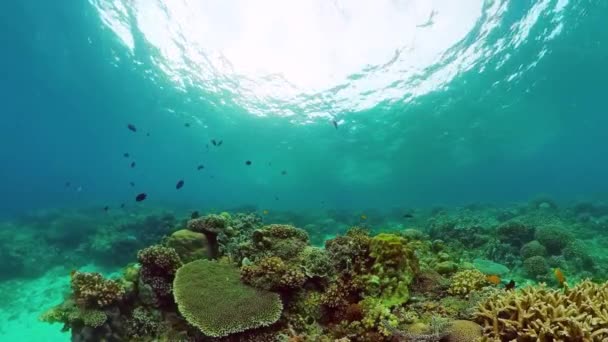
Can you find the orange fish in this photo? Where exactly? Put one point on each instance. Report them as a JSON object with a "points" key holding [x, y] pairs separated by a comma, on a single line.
{"points": [[493, 279], [559, 276]]}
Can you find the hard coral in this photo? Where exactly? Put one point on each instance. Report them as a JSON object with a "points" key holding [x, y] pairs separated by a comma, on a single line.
{"points": [[554, 238], [212, 298], [189, 245], [536, 266], [283, 241], [393, 269], [465, 282], [159, 265], [542, 314], [349, 254], [91, 290], [271, 273], [515, 233], [463, 331], [532, 248]]}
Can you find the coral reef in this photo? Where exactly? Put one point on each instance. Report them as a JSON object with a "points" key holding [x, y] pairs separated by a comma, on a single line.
{"points": [[271, 273], [158, 267], [189, 245], [554, 238], [211, 297], [532, 249], [465, 282], [542, 314], [91, 290], [536, 266]]}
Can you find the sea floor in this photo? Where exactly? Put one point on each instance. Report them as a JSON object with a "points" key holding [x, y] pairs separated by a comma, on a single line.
{"points": [[24, 300]]}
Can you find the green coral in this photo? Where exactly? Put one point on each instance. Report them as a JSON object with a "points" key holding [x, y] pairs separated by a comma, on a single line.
{"points": [[554, 238], [212, 298], [536, 266], [532, 248], [283, 241], [316, 262], [514, 233], [272, 273], [392, 271], [70, 314], [189, 245], [465, 282]]}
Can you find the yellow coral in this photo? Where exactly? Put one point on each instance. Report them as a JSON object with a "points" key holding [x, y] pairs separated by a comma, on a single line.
{"points": [[467, 281], [542, 314], [463, 331]]}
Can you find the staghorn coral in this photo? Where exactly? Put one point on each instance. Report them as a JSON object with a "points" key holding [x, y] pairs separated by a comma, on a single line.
{"points": [[271, 273], [542, 314], [212, 298], [91, 290], [465, 282]]}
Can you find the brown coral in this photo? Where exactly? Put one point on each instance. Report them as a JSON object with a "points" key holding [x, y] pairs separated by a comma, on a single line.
{"points": [[467, 281], [272, 273], [91, 290], [542, 314]]}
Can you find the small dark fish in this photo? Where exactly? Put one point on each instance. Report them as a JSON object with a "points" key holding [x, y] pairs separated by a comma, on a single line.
{"points": [[408, 216], [335, 123], [187, 124], [132, 127], [179, 184], [248, 162], [207, 146], [126, 155], [276, 198], [106, 208], [141, 197], [200, 167], [510, 286], [284, 173], [132, 183], [67, 184], [269, 164], [147, 134], [214, 142], [194, 215], [132, 164], [219, 143], [122, 206]]}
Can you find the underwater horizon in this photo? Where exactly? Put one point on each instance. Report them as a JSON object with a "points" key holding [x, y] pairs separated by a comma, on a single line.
{"points": [[444, 137]]}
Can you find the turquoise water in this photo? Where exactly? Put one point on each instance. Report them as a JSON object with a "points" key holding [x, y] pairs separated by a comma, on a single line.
{"points": [[337, 105]]}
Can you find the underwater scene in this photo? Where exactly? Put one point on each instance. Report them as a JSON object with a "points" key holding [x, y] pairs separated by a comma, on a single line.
{"points": [[304, 170]]}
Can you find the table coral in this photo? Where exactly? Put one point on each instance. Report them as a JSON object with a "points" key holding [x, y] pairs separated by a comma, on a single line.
{"points": [[212, 298]]}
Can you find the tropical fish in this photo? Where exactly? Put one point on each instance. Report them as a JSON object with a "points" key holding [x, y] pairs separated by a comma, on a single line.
{"points": [[147, 134], [364, 217], [335, 123], [200, 167], [132, 183], [276, 198], [559, 276], [106, 208], [141, 197], [194, 215], [187, 124], [248, 162], [126, 154], [265, 212], [493, 279], [67, 184], [132, 127], [408, 216], [510, 286], [132, 164], [284, 173], [179, 184], [122, 205], [216, 142], [219, 143]]}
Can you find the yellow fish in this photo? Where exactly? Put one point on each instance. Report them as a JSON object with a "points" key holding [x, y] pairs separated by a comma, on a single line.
{"points": [[265, 212], [364, 217]]}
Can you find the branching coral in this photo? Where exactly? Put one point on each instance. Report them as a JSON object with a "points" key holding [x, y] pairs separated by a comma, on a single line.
{"points": [[467, 281], [69, 314], [212, 298], [91, 290], [158, 267], [541, 314]]}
